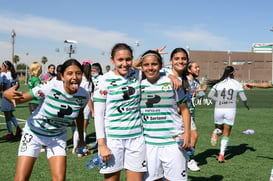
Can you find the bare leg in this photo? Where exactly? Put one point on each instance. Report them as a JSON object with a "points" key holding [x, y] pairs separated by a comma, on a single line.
{"points": [[58, 167], [112, 176], [24, 168], [134, 176]]}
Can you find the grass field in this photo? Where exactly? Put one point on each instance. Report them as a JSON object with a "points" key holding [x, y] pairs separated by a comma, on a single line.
{"points": [[250, 157]]}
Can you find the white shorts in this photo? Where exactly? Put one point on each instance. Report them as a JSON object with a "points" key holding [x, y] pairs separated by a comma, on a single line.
{"points": [[31, 144], [224, 116], [6, 105], [167, 161], [126, 153]]}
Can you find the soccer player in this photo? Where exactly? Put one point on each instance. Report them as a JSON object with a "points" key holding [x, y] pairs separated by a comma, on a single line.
{"points": [[117, 118], [8, 79], [189, 77], [62, 102], [162, 122], [224, 93], [35, 71]]}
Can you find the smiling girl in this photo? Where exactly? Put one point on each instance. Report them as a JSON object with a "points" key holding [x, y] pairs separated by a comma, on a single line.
{"points": [[62, 102], [162, 122]]}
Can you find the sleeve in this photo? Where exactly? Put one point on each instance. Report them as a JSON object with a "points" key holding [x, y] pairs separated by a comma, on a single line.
{"points": [[181, 96], [36, 82], [99, 99], [211, 94], [41, 90], [242, 96]]}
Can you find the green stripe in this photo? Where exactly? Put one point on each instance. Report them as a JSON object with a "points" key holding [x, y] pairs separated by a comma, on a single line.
{"points": [[124, 136], [98, 100], [158, 129], [124, 128], [153, 143]]}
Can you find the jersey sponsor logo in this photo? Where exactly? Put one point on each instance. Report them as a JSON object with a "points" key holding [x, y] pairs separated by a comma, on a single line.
{"points": [[128, 92], [153, 100], [67, 110]]}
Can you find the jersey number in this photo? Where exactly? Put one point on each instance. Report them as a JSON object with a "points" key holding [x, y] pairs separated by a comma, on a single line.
{"points": [[227, 94]]}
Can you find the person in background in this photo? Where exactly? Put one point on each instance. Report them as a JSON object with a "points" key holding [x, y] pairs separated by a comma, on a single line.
{"points": [[179, 58], [96, 71], [162, 122], [224, 93], [117, 118], [50, 74], [8, 79], [35, 71], [62, 102], [190, 80], [87, 85]]}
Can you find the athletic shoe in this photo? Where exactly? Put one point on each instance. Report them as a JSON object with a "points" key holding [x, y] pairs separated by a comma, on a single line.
{"points": [[88, 152], [221, 159], [93, 145], [8, 136], [192, 165], [214, 137]]}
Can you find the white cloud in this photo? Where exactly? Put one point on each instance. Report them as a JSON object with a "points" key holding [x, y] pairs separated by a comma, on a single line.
{"points": [[200, 39], [54, 30]]}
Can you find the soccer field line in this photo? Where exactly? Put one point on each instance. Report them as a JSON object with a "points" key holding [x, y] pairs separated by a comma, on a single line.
{"points": [[20, 121]]}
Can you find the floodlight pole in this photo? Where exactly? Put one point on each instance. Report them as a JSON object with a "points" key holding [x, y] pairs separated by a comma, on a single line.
{"points": [[271, 29], [70, 46], [13, 34], [229, 54]]}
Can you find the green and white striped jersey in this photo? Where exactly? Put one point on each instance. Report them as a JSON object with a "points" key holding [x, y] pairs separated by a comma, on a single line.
{"points": [[120, 95], [58, 108], [161, 120]]}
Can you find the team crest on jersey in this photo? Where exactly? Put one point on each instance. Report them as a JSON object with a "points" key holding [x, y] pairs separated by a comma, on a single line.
{"points": [[103, 92], [40, 93], [166, 87], [23, 147]]}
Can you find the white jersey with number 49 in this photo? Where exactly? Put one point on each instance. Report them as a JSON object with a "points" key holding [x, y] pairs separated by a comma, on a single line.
{"points": [[227, 91]]}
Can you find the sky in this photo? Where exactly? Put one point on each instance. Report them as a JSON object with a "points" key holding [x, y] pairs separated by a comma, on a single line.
{"points": [[97, 25]]}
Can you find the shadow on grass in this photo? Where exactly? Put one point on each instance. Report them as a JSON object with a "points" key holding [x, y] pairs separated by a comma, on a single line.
{"points": [[231, 152], [11, 140], [212, 178]]}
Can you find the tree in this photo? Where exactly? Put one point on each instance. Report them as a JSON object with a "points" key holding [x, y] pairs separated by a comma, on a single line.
{"points": [[15, 59], [44, 61]]}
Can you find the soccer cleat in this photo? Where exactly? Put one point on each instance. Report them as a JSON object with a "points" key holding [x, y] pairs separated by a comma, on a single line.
{"points": [[192, 165], [214, 137], [221, 159], [8, 136]]}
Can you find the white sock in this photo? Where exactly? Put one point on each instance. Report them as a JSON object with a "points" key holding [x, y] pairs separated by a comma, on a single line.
{"points": [[224, 145], [75, 139]]}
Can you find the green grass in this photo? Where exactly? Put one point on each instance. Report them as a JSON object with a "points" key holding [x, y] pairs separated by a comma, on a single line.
{"points": [[249, 156]]}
